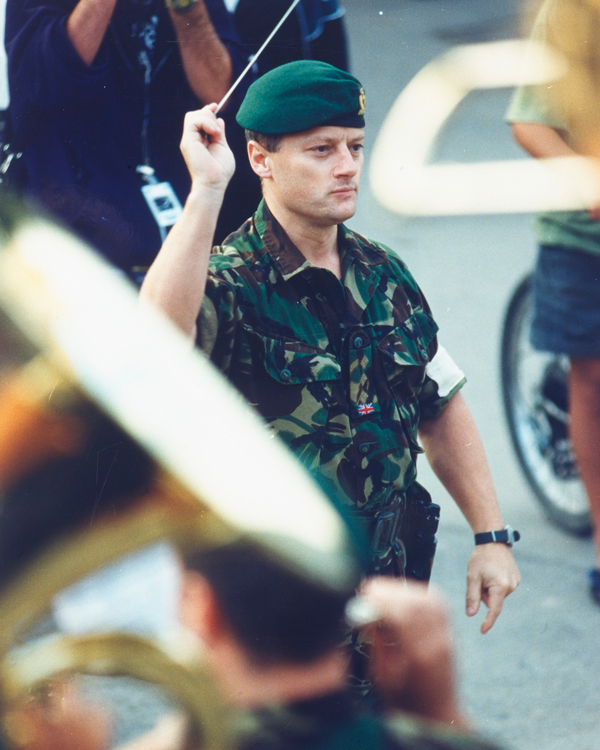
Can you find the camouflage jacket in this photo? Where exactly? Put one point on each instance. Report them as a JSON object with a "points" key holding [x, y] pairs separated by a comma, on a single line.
{"points": [[335, 722], [337, 368]]}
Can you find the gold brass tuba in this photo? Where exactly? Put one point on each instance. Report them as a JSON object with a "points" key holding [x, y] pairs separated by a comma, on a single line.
{"points": [[79, 354]]}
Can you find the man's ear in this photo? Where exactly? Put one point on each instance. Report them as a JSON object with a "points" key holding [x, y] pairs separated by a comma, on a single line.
{"points": [[198, 608], [259, 159]]}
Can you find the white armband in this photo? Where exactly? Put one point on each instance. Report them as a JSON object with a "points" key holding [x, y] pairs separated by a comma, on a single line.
{"points": [[444, 370]]}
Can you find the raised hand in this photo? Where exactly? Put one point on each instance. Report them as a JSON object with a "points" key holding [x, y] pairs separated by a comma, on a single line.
{"points": [[204, 147]]}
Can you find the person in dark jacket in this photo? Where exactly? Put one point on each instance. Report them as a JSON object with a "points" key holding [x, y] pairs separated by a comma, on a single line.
{"points": [[98, 95]]}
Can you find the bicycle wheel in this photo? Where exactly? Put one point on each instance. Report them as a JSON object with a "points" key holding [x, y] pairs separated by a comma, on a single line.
{"points": [[535, 394]]}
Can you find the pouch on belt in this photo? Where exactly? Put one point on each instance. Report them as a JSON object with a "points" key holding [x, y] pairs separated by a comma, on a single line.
{"points": [[402, 535]]}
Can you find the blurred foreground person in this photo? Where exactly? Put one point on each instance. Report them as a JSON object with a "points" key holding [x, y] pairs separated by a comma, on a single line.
{"points": [[327, 333], [272, 643], [567, 275]]}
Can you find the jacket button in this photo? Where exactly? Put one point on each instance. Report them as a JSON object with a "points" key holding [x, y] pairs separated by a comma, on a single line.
{"points": [[364, 447], [285, 374], [424, 354], [358, 342]]}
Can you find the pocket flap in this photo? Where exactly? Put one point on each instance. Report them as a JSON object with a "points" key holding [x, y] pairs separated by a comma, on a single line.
{"points": [[407, 344], [293, 362]]}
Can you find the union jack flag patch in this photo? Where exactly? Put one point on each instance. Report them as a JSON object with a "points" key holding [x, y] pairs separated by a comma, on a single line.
{"points": [[365, 409]]}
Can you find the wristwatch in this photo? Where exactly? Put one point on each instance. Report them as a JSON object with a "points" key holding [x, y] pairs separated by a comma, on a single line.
{"points": [[180, 6], [507, 535]]}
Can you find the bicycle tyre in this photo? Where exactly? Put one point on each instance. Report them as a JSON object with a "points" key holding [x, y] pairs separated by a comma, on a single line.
{"points": [[522, 372]]}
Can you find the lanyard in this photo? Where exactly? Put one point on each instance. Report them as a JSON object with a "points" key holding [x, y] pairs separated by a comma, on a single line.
{"points": [[145, 19], [143, 22]]}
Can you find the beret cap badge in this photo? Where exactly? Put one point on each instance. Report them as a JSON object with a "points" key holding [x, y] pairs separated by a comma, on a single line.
{"points": [[362, 102]]}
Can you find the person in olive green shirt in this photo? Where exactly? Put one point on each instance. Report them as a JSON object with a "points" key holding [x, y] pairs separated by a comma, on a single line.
{"points": [[567, 276], [327, 333]]}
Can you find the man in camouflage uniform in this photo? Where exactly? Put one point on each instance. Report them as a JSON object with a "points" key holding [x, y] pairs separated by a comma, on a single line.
{"points": [[326, 333]]}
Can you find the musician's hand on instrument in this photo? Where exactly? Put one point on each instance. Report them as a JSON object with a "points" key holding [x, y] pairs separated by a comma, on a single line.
{"points": [[60, 720], [412, 655]]}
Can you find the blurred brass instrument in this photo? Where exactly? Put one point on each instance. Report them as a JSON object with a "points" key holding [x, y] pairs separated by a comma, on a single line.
{"points": [[563, 62], [76, 347], [176, 667]]}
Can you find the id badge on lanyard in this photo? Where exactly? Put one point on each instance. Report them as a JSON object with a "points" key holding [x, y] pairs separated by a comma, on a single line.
{"points": [[163, 203], [159, 196]]}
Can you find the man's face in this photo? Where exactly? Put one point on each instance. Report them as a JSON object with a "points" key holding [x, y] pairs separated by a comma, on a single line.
{"points": [[315, 174]]}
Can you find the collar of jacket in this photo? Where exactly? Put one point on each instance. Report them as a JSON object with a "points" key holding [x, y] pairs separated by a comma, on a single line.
{"points": [[290, 262]]}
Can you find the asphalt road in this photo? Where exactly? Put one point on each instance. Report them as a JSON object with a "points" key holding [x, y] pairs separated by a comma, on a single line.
{"points": [[534, 681]]}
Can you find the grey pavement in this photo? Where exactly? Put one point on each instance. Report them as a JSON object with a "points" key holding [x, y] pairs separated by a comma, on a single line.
{"points": [[534, 681]]}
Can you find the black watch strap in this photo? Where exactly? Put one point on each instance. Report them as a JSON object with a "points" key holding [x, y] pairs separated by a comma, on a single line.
{"points": [[507, 535]]}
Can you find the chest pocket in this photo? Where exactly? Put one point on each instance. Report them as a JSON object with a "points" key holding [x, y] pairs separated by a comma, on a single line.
{"points": [[296, 363], [405, 358], [292, 380]]}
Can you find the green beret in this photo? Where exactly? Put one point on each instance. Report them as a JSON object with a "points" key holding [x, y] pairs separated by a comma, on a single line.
{"points": [[302, 95]]}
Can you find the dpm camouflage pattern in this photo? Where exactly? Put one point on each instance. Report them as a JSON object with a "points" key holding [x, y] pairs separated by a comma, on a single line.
{"points": [[337, 369]]}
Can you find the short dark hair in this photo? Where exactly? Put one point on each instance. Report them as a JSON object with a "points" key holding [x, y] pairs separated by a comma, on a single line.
{"points": [[270, 141], [277, 616]]}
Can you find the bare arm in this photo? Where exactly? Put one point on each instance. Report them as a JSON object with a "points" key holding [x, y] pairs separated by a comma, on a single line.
{"points": [[176, 280], [412, 656], [87, 26], [456, 454], [540, 141], [206, 61], [544, 142]]}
